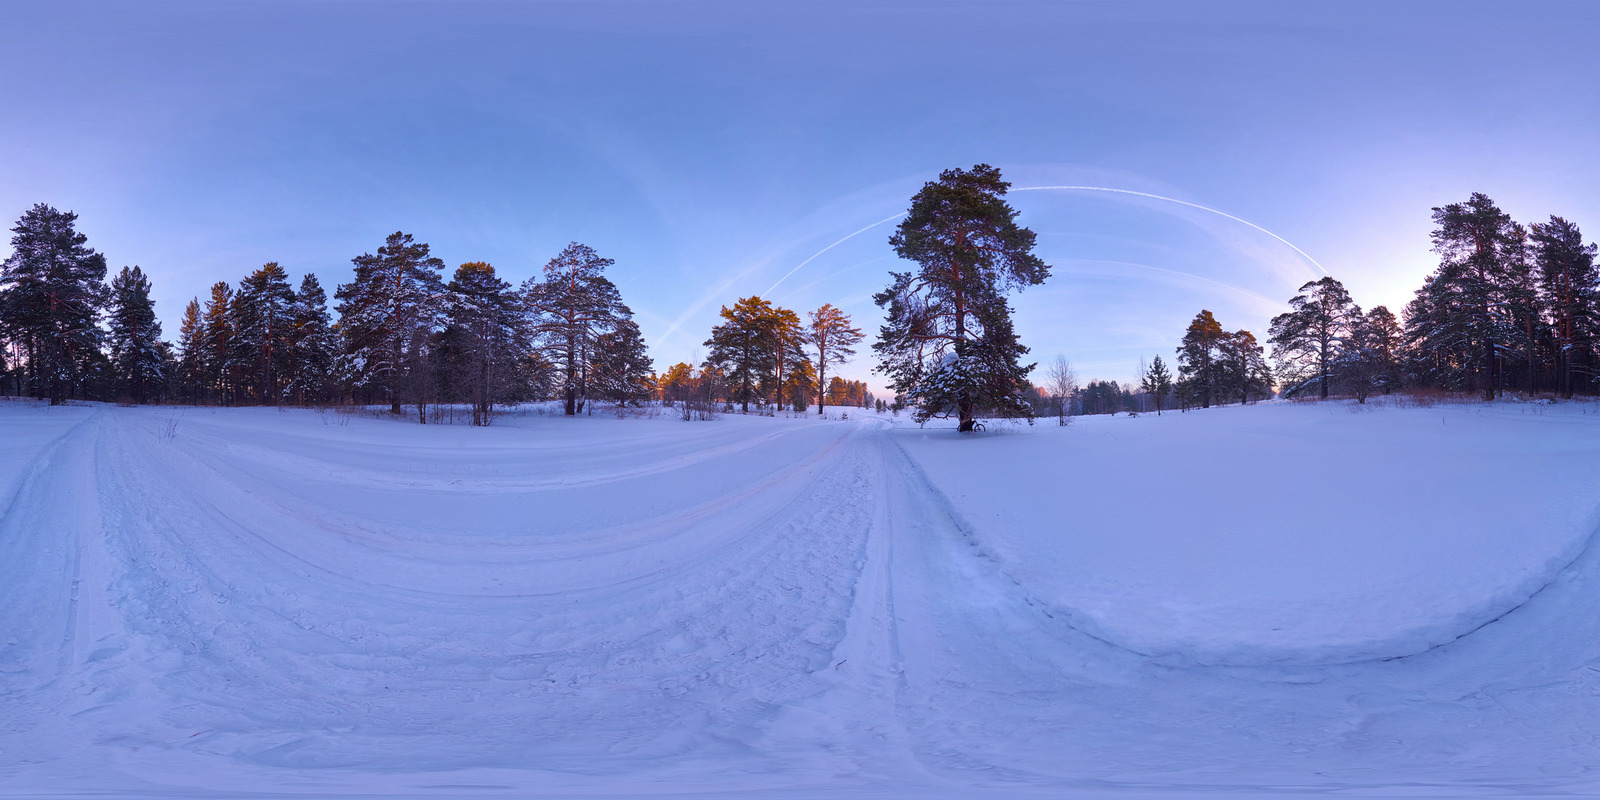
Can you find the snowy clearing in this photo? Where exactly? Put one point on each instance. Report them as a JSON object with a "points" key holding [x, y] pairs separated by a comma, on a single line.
{"points": [[1283, 599]]}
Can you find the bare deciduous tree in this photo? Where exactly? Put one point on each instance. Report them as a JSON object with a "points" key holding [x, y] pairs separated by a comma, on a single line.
{"points": [[1061, 381]]}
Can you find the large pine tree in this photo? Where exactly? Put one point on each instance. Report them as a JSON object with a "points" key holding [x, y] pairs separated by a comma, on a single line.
{"points": [[220, 361], [948, 345], [313, 345], [1462, 317], [191, 354], [485, 339], [138, 355], [1199, 374], [263, 320], [834, 338], [1569, 285], [1309, 340], [741, 349], [51, 291], [387, 317], [572, 307]]}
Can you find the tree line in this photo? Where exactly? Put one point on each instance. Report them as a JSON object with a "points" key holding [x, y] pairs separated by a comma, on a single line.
{"points": [[399, 333], [1511, 307], [765, 355]]}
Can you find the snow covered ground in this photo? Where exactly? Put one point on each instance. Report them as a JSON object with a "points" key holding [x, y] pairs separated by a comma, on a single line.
{"points": [[1281, 600]]}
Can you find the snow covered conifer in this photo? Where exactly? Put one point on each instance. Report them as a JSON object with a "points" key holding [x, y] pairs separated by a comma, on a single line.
{"points": [[263, 320], [51, 290], [572, 307], [1309, 339], [486, 338], [387, 316], [1459, 319], [1569, 285], [948, 344], [137, 353], [313, 345], [622, 365]]}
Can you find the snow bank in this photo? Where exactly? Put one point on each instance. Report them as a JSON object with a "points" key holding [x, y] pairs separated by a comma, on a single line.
{"points": [[1290, 533]]}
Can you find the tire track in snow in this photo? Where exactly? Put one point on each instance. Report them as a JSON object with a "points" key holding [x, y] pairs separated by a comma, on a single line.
{"points": [[268, 661]]}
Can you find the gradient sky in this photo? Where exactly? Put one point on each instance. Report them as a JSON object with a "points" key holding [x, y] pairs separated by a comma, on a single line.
{"points": [[711, 148]]}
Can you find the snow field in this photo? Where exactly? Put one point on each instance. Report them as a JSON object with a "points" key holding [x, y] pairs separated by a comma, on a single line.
{"points": [[294, 604], [1290, 533]]}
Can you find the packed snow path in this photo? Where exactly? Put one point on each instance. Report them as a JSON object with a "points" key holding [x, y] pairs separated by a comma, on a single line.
{"points": [[205, 602]]}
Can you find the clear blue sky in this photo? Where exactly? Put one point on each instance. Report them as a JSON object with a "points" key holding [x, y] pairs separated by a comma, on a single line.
{"points": [[712, 148]]}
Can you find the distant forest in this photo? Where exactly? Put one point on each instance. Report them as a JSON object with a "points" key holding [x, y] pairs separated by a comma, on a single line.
{"points": [[1511, 307]]}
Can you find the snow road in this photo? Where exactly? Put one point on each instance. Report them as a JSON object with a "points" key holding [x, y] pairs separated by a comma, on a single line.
{"points": [[247, 602]]}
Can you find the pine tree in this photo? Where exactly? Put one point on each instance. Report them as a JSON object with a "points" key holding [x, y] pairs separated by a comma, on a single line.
{"points": [[1570, 290], [787, 343], [313, 345], [263, 319], [1382, 340], [622, 365], [676, 385], [835, 340], [1156, 382], [1462, 317], [800, 385], [1308, 340], [51, 290], [572, 308], [948, 344], [487, 338], [1243, 367], [137, 353], [191, 353], [1527, 335], [387, 317], [220, 361], [741, 349], [1199, 377]]}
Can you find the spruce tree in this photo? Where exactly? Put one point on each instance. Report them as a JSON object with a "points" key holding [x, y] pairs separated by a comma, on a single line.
{"points": [[948, 345], [137, 353], [387, 317], [51, 291], [1157, 382]]}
